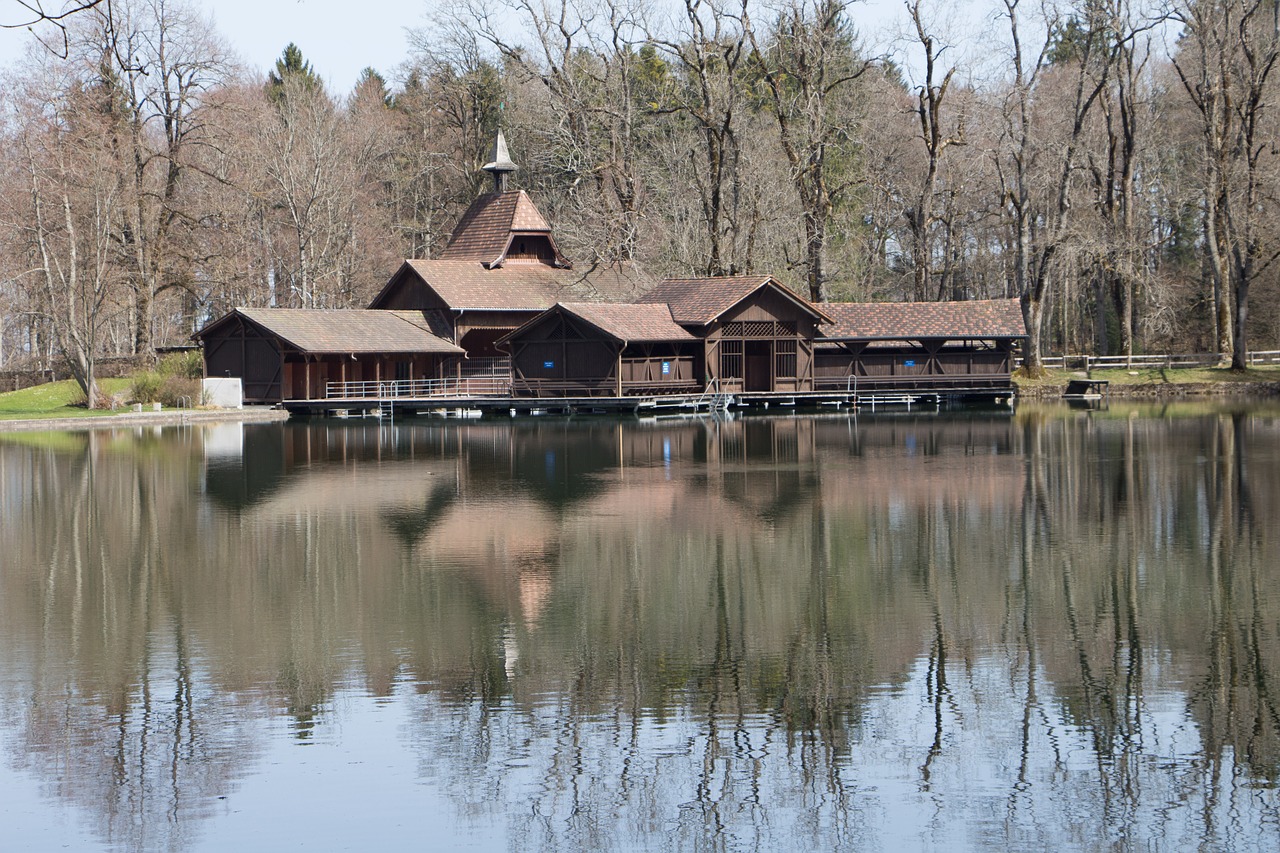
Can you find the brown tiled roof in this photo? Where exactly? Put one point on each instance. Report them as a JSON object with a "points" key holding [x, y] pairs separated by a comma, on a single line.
{"points": [[470, 286], [485, 230], [630, 322], [699, 301], [611, 283], [985, 318], [354, 331]]}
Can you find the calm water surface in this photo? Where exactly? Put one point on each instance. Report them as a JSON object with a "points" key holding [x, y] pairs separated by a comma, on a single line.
{"points": [[1047, 629]]}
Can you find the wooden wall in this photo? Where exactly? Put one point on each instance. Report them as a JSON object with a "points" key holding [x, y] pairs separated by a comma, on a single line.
{"points": [[561, 356], [238, 348], [937, 362], [764, 344]]}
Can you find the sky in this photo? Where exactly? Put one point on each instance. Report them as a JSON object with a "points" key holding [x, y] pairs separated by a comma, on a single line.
{"points": [[341, 38], [338, 37]]}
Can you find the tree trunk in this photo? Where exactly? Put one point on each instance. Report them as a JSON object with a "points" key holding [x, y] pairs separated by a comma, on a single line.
{"points": [[1033, 317], [1240, 346]]}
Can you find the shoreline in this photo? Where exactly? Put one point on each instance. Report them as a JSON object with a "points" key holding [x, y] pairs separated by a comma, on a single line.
{"points": [[165, 417], [1047, 392], [1159, 390]]}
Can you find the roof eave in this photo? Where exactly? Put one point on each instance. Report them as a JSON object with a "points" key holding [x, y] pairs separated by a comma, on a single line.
{"points": [[820, 315], [395, 277]]}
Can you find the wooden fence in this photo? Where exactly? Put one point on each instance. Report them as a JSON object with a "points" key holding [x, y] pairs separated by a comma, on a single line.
{"points": [[1149, 362]]}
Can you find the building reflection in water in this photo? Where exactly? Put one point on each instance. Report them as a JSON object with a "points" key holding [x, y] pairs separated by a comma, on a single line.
{"points": [[1029, 630]]}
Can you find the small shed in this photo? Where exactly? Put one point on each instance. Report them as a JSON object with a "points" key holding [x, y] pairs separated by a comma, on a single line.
{"points": [[926, 346], [581, 349], [757, 335], [285, 354]]}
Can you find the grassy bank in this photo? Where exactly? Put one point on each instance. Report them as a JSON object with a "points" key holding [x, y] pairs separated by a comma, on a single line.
{"points": [[57, 400], [1162, 382], [174, 382], [64, 399]]}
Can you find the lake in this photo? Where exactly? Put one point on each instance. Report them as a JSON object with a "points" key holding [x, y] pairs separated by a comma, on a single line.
{"points": [[1037, 629]]}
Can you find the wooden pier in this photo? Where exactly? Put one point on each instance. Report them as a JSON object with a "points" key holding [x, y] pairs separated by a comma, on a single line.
{"points": [[398, 405]]}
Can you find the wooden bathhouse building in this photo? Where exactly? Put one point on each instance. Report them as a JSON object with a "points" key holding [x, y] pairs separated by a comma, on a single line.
{"points": [[939, 347], [283, 354], [593, 349], [757, 334], [503, 315]]}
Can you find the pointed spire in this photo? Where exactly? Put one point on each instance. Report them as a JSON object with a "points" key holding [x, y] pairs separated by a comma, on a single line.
{"points": [[499, 164]]}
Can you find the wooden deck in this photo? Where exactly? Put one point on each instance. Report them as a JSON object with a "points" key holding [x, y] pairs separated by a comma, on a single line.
{"points": [[460, 406], [470, 405]]}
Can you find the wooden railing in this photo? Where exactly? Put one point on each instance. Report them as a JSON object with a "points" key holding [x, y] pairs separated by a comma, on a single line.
{"points": [[600, 387], [471, 368], [915, 382], [1168, 361], [474, 386]]}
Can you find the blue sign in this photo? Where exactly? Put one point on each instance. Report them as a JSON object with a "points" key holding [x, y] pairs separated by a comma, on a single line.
{"points": [[666, 368], [910, 362], [548, 364]]}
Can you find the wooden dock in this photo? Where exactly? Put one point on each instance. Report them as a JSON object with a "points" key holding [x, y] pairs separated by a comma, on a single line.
{"points": [[399, 406]]}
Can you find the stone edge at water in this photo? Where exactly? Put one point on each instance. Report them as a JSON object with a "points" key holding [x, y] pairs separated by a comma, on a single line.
{"points": [[170, 417]]}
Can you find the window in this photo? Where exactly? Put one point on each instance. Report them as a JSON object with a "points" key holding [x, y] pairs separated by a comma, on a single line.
{"points": [[785, 359], [731, 359]]}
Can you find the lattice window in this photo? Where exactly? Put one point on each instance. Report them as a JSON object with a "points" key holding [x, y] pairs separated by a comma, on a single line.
{"points": [[758, 329], [785, 359], [786, 327], [731, 359], [732, 330]]}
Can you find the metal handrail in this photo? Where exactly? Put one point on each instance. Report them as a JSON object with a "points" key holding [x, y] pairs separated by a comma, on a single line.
{"points": [[475, 386]]}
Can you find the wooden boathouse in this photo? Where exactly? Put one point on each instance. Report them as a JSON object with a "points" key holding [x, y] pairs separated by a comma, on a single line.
{"points": [[596, 349], [757, 335], [502, 321], [284, 354], [955, 348]]}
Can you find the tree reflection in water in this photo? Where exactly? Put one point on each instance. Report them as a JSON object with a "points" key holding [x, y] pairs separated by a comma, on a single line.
{"points": [[1047, 629]]}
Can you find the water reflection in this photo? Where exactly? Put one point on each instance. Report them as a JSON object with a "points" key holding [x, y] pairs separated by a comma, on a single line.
{"points": [[1051, 628]]}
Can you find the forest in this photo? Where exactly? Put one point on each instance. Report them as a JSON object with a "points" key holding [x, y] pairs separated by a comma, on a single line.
{"points": [[1112, 164]]}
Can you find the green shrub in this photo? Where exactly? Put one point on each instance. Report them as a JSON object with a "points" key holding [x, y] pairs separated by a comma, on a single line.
{"points": [[145, 387], [188, 364], [180, 391]]}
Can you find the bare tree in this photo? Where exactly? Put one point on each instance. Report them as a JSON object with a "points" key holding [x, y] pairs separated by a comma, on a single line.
{"points": [[33, 15], [709, 94], [583, 59], [1120, 239], [1229, 52], [807, 65], [66, 218], [1037, 173], [165, 58], [937, 134]]}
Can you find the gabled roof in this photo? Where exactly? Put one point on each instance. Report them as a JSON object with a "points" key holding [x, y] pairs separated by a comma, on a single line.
{"points": [[699, 301], [492, 221], [344, 331], [630, 323], [618, 282], [470, 286], [976, 319]]}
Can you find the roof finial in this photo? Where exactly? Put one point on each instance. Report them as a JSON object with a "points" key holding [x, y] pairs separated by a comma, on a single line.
{"points": [[499, 164]]}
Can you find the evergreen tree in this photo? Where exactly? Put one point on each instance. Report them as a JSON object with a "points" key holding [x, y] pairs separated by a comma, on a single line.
{"points": [[291, 66]]}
